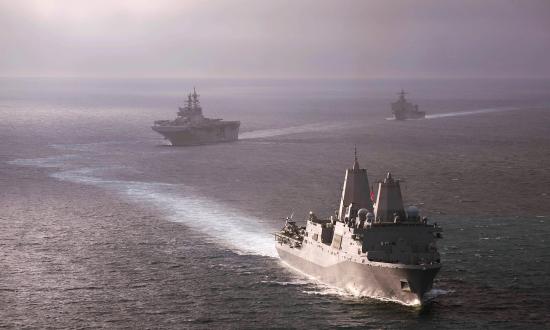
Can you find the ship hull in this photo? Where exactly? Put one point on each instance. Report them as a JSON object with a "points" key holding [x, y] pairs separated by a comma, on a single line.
{"points": [[226, 131], [405, 284], [409, 115]]}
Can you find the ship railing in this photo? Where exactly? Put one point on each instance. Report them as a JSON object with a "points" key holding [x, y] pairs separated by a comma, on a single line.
{"points": [[282, 238]]}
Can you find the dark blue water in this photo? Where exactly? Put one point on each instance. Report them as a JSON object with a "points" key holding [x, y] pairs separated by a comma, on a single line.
{"points": [[102, 225]]}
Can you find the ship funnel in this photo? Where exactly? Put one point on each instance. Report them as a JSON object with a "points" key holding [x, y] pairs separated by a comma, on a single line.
{"points": [[356, 191], [389, 202]]}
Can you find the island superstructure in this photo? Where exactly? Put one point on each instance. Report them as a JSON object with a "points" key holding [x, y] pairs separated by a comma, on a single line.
{"points": [[371, 247], [403, 109], [191, 128]]}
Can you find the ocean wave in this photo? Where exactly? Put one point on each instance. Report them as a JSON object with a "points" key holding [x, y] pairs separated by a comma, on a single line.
{"points": [[436, 292]]}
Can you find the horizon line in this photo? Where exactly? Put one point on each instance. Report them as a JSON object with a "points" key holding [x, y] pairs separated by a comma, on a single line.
{"points": [[91, 77]]}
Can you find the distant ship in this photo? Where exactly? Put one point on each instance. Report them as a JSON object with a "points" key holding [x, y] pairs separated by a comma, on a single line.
{"points": [[370, 247], [403, 109], [191, 128]]}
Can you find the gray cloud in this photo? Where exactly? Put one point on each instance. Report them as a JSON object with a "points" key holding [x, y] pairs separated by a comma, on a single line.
{"points": [[254, 38]]}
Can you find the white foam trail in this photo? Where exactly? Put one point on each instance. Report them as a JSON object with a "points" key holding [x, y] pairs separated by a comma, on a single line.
{"points": [[86, 146], [434, 293], [462, 113], [222, 224], [317, 127], [54, 161], [469, 113]]}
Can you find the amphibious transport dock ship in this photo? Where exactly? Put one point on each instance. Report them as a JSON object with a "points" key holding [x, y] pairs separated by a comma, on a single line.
{"points": [[403, 109], [370, 247], [191, 128]]}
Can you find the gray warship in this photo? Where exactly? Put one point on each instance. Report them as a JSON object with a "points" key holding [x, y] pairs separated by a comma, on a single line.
{"points": [[191, 128], [403, 109], [371, 247]]}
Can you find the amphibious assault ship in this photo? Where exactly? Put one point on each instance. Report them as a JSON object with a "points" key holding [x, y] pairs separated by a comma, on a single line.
{"points": [[371, 247], [191, 128], [403, 109]]}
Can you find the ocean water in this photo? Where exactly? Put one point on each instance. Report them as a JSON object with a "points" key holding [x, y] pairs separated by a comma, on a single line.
{"points": [[104, 225]]}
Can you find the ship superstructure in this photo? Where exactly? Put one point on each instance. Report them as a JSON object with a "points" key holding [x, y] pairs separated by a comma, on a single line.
{"points": [[403, 109], [191, 128], [371, 247]]}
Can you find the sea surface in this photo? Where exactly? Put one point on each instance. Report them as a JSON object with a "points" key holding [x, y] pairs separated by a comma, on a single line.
{"points": [[102, 224]]}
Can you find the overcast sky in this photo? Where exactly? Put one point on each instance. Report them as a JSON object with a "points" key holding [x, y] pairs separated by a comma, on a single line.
{"points": [[275, 38]]}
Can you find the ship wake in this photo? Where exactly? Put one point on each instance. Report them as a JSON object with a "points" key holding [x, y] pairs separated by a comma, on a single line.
{"points": [[220, 223], [307, 128], [463, 113], [469, 113]]}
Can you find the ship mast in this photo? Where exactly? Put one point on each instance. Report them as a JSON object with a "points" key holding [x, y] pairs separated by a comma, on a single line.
{"points": [[356, 191], [189, 101], [402, 94], [355, 162], [192, 105], [196, 102]]}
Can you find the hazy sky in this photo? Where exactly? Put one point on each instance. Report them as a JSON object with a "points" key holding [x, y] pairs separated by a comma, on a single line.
{"points": [[275, 38]]}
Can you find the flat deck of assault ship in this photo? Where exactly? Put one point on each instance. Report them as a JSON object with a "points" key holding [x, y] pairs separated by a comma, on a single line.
{"points": [[191, 128], [369, 248]]}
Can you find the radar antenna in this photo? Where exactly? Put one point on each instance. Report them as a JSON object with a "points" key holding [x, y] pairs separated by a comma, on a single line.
{"points": [[402, 93], [195, 96], [355, 161]]}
